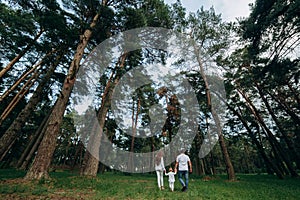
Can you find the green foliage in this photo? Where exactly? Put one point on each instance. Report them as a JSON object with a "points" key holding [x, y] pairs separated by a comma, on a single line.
{"points": [[271, 25], [16, 29]]}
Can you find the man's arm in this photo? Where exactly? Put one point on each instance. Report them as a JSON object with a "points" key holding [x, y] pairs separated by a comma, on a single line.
{"points": [[190, 164], [175, 168]]}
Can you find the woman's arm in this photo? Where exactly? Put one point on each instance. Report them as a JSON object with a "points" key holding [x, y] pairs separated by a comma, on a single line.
{"points": [[163, 164]]}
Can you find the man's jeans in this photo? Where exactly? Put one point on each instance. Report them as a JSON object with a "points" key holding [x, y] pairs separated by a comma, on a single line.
{"points": [[184, 174]]}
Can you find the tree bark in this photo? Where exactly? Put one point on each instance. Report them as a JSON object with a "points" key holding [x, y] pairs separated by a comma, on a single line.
{"points": [[25, 89], [34, 70], [134, 125], [41, 163], [78, 155], [40, 133], [268, 162], [273, 142], [12, 132], [90, 163], [32, 141], [261, 150], [291, 147], [229, 166]]}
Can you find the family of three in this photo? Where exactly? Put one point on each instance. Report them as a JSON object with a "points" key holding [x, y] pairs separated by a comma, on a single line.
{"points": [[184, 165]]}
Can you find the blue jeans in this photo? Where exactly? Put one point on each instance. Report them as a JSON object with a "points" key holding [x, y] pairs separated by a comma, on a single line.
{"points": [[186, 177]]}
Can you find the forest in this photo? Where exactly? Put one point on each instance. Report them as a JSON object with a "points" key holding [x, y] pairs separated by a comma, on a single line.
{"points": [[50, 53]]}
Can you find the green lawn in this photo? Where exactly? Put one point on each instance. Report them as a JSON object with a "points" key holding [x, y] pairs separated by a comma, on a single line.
{"points": [[68, 185]]}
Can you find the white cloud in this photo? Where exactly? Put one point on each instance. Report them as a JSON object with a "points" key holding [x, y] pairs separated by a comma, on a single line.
{"points": [[229, 9]]}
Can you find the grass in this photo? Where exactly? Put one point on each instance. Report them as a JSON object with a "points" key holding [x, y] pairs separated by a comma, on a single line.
{"points": [[68, 185]]}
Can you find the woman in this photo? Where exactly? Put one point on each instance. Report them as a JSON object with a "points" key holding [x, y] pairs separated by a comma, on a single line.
{"points": [[160, 169]]}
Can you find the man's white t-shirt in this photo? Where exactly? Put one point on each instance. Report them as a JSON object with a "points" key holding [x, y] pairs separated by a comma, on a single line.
{"points": [[183, 160]]}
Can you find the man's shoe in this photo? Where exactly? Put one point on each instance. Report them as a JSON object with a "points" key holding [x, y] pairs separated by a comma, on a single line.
{"points": [[183, 189]]}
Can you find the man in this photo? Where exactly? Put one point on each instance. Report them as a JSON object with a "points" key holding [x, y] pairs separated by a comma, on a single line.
{"points": [[184, 166]]}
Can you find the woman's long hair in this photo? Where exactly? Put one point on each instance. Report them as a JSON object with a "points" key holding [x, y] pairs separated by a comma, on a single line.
{"points": [[158, 157]]}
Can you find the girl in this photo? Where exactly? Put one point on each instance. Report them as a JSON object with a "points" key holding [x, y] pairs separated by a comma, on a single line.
{"points": [[171, 175]]}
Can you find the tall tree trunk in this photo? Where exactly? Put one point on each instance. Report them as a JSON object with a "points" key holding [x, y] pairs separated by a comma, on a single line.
{"points": [[90, 163], [134, 125], [261, 150], [14, 102], [7, 150], [200, 168], [17, 83], [40, 133], [77, 155], [12, 132], [291, 147], [211, 159], [32, 141], [34, 69], [268, 161], [41, 163], [21, 54], [273, 141], [229, 166]]}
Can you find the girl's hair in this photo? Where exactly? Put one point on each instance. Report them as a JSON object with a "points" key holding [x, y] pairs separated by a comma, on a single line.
{"points": [[158, 157]]}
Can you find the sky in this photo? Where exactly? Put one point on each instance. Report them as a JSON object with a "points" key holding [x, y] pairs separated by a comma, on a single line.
{"points": [[229, 9]]}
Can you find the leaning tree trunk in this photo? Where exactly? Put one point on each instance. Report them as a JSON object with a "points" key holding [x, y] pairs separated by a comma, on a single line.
{"points": [[272, 139], [12, 132], [39, 134], [291, 147], [19, 81], [42, 161], [33, 69], [90, 163], [20, 95], [18, 57], [229, 166], [31, 147], [260, 147]]}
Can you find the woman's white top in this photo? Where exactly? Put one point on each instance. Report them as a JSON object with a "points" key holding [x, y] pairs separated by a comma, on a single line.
{"points": [[161, 166]]}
